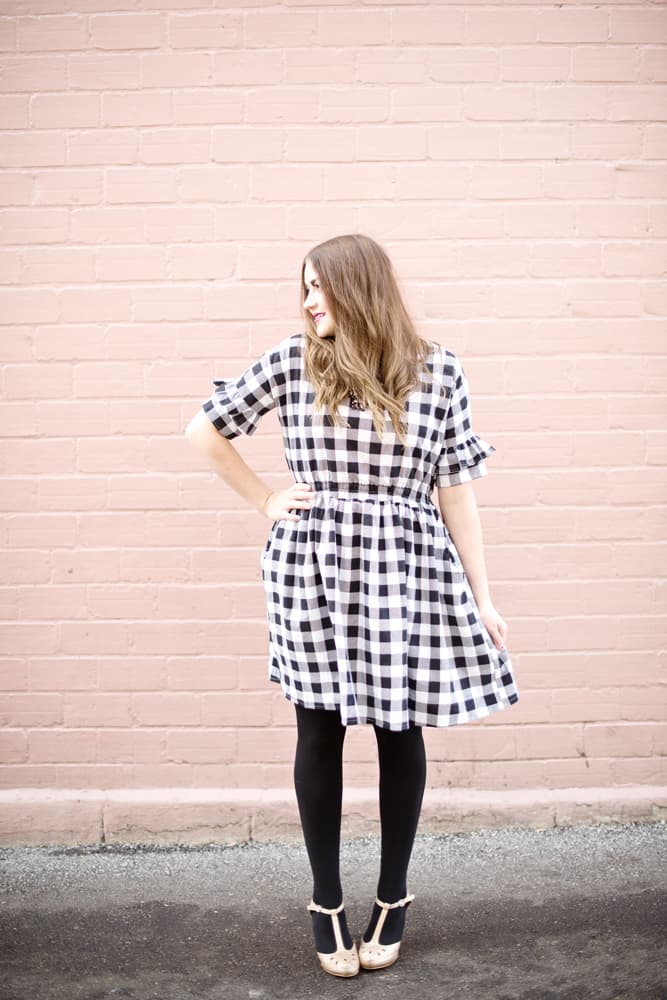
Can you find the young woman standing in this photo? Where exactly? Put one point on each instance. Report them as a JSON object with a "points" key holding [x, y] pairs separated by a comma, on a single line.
{"points": [[378, 602]]}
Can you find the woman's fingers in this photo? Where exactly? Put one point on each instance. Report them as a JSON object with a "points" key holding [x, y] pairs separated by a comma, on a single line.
{"points": [[302, 493], [298, 495]]}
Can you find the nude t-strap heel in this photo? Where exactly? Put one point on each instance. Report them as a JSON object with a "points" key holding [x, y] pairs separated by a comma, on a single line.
{"points": [[372, 954], [344, 961]]}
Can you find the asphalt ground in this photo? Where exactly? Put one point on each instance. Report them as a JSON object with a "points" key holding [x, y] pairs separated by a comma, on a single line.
{"points": [[568, 913]]}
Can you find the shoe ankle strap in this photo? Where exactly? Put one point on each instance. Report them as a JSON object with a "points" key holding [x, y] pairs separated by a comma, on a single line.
{"points": [[392, 906], [316, 908]]}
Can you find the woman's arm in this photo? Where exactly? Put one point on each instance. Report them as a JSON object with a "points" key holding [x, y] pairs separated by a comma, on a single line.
{"points": [[458, 507], [224, 459]]}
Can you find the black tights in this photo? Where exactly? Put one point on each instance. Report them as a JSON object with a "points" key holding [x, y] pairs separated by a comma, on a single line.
{"points": [[318, 782]]}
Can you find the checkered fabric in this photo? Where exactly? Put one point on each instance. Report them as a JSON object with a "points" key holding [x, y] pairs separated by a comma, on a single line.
{"points": [[368, 605]]}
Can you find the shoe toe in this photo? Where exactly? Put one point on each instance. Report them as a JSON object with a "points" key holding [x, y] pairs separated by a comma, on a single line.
{"points": [[378, 956], [341, 963]]}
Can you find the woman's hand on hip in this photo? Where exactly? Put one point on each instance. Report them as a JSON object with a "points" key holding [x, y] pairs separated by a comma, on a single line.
{"points": [[278, 504]]}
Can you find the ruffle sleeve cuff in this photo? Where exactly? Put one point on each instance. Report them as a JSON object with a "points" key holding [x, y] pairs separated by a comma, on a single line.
{"points": [[237, 404], [226, 410], [464, 461]]}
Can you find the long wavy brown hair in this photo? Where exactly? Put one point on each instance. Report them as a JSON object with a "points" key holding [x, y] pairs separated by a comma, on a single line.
{"points": [[375, 351]]}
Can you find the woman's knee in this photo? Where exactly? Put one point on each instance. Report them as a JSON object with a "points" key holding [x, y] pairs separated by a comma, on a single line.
{"points": [[400, 745], [320, 732]]}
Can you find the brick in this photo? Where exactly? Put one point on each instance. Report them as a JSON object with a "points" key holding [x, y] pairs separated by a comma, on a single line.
{"points": [[429, 26], [92, 637], [38, 456], [637, 26], [8, 31], [176, 69], [253, 673], [39, 776], [143, 416], [14, 113], [119, 601], [103, 72], [65, 111], [85, 565], [130, 746], [140, 185], [105, 147], [8, 603], [127, 31], [96, 710], [21, 637], [51, 32], [288, 29], [638, 770], [166, 709], [21, 305], [216, 30], [72, 343], [200, 746], [644, 739], [13, 746], [640, 180], [248, 67], [202, 673], [10, 264], [35, 602], [13, 674], [571, 25], [605, 63], [133, 673], [63, 673], [126, 529], [153, 564], [31, 709], [137, 492], [653, 65], [237, 710], [60, 746], [33, 73], [266, 745], [95, 304], [207, 602], [164, 636], [99, 455]]}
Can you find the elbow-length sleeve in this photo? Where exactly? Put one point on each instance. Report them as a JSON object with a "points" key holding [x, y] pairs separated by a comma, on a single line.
{"points": [[238, 403], [463, 452]]}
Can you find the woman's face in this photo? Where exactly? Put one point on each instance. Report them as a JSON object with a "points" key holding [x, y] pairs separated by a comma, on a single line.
{"points": [[316, 303]]}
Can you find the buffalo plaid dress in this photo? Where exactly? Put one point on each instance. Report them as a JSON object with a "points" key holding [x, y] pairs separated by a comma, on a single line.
{"points": [[368, 605]]}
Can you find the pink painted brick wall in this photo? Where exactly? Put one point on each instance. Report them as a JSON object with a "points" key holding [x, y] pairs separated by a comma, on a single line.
{"points": [[164, 168]]}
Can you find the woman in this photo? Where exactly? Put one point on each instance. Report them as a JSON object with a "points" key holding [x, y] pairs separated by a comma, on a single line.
{"points": [[378, 604]]}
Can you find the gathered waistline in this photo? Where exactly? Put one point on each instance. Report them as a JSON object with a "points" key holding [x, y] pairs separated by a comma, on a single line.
{"points": [[375, 490]]}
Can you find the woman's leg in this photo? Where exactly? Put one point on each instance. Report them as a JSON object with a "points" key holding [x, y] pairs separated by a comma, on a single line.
{"points": [[318, 782], [402, 760]]}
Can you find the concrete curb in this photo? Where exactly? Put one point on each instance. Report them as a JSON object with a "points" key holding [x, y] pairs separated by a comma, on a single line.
{"points": [[43, 816]]}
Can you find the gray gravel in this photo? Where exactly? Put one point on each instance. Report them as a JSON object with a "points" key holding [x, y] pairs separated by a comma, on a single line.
{"points": [[513, 914]]}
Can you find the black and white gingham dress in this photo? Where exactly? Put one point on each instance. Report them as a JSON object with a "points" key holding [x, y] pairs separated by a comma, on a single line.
{"points": [[368, 606]]}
